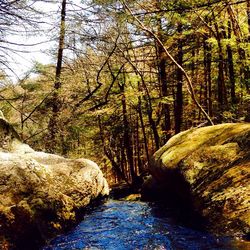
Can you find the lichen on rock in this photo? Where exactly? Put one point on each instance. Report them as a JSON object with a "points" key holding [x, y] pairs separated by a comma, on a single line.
{"points": [[41, 193], [209, 167]]}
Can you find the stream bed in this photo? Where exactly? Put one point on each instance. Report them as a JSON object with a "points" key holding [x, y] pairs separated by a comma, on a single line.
{"points": [[125, 225]]}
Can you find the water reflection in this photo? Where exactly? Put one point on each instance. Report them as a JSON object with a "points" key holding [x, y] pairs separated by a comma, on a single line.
{"points": [[135, 225]]}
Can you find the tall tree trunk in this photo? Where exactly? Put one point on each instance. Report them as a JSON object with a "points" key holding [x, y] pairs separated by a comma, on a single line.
{"points": [[152, 124], [127, 135], [149, 109], [123, 159], [143, 127], [162, 76], [221, 87], [56, 101], [207, 76], [231, 66], [138, 149], [164, 88], [179, 78]]}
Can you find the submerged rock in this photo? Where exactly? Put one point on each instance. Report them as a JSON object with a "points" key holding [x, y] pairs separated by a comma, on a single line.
{"points": [[132, 197], [208, 169], [41, 193]]}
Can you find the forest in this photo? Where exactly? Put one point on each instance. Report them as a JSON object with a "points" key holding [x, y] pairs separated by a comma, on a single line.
{"points": [[124, 76]]}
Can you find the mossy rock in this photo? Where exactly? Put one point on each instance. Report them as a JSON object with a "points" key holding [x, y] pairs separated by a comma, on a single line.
{"points": [[210, 168]]}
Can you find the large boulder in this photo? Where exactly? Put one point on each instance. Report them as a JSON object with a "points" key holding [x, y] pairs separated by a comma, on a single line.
{"points": [[40, 193], [209, 169]]}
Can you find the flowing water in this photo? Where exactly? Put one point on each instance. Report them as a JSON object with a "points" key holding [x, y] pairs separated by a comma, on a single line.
{"points": [[127, 225]]}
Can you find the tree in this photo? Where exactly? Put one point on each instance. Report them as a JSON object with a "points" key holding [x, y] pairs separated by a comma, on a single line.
{"points": [[189, 83], [54, 128]]}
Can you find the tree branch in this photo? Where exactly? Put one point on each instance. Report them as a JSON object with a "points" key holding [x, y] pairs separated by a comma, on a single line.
{"points": [[189, 82]]}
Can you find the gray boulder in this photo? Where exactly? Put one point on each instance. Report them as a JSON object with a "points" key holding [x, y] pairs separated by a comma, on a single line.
{"points": [[40, 193]]}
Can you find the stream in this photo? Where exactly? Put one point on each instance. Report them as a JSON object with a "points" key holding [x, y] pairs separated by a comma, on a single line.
{"points": [[125, 225]]}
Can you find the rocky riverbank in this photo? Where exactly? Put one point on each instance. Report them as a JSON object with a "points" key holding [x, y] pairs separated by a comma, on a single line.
{"points": [[41, 194], [207, 169]]}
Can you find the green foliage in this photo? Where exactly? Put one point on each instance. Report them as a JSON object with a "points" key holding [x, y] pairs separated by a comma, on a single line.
{"points": [[30, 87], [167, 100]]}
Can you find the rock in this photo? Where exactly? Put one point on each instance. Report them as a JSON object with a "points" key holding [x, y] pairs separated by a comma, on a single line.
{"points": [[121, 190], [132, 197], [208, 169], [40, 193]]}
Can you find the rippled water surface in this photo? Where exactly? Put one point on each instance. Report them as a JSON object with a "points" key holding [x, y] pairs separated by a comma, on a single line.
{"points": [[134, 225]]}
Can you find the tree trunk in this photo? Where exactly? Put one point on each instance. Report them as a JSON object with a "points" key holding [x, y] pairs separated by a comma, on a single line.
{"points": [[231, 66], [56, 101], [127, 135], [207, 76], [179, 78], [221, 87], [162, 76], [143, 127], [153, 125]]}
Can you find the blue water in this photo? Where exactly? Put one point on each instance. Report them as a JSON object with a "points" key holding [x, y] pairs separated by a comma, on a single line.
{"points": [[126, 225]]}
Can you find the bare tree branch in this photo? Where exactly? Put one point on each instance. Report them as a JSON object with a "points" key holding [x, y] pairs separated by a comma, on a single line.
{"points": [[189, 82]]}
